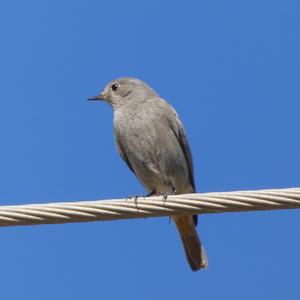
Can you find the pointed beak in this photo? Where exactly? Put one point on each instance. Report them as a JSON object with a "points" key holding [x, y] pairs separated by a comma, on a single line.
{"points": [[97, 98]]}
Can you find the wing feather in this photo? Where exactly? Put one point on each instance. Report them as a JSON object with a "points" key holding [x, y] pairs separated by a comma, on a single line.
{"points": [[184, 144]]}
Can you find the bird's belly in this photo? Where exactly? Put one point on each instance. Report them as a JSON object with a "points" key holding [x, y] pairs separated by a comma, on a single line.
{"points": [[159, 168], [153, 180], [154, 154]]}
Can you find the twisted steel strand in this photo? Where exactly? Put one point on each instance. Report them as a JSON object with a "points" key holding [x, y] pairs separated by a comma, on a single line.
{"points": [[85, 211]]}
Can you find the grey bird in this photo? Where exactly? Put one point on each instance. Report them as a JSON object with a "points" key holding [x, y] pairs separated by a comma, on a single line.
{"points": [[151, 140]]}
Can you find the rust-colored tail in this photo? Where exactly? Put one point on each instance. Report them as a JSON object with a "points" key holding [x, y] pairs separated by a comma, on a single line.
{"points": [[192, 245]]}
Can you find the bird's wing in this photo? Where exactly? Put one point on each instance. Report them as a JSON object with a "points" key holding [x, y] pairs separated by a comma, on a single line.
{"points": [[179, 132], [178, 129]]}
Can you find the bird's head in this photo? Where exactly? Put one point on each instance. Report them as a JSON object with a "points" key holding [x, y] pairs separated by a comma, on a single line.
{"points": [[121, 91]]}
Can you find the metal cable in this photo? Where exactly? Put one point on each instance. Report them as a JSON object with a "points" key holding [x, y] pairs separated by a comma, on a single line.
{"points": [[85, 211]]}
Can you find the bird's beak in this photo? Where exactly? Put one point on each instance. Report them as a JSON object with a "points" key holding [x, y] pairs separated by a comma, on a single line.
{"points": [[97, 98]]}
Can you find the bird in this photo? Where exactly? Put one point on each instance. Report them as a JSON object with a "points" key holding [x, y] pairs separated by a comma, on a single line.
{"points": [[151, 139]]}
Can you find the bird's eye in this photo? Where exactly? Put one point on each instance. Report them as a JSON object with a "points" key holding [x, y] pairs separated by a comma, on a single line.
{"points": [[114, 87]]}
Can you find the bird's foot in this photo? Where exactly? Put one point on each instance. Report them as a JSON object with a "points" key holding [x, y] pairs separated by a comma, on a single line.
{"points": [[165, 195], [135, 197], [132, 197]]}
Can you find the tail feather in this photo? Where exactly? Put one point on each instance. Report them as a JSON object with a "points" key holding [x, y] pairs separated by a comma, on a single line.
{"points": [[194, 251]]}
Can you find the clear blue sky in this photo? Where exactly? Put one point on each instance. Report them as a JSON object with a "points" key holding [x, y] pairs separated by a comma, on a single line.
{"points": [[232, 71]]}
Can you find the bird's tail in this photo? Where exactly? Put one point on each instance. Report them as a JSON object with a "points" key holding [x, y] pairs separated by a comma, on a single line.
{"points": [[191, 242]]}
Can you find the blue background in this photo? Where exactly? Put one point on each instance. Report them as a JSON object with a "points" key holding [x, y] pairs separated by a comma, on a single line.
{"points": [[230, 68]]}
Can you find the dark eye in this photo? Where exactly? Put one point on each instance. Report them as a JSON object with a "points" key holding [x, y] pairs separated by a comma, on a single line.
{"points": [[114, 87]]}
